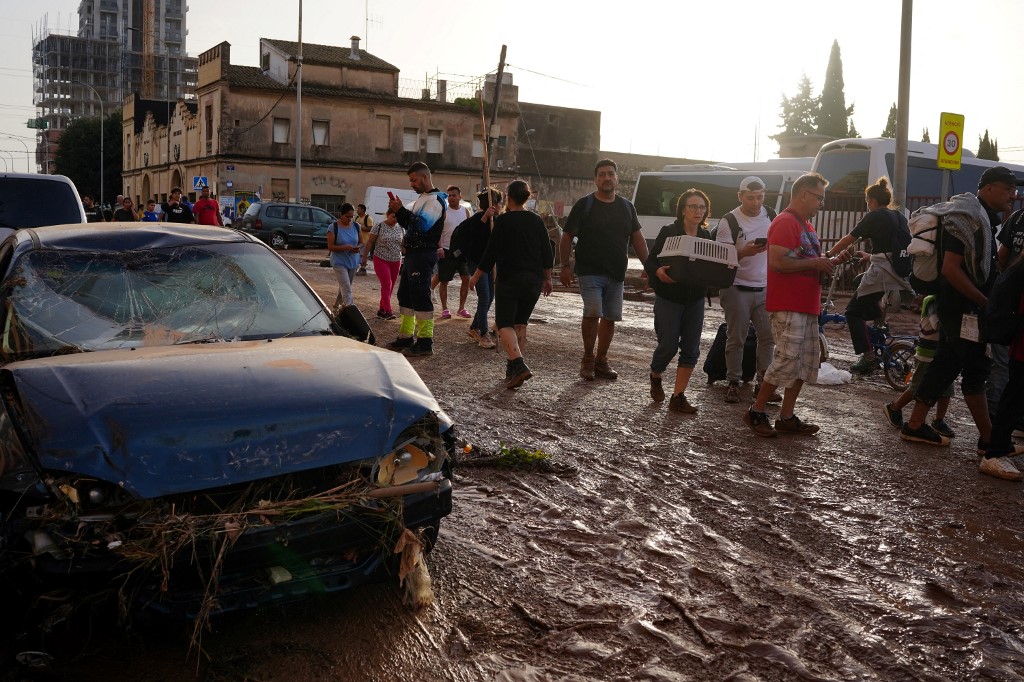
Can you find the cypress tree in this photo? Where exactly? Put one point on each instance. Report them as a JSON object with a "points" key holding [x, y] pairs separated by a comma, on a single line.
{"points": [[833, 114]]}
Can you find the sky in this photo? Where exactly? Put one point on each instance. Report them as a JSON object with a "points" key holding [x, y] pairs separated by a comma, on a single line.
{"points": [[682, 79]]}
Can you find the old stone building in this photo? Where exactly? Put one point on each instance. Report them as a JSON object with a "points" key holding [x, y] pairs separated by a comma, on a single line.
{"points": [[356, 130]]}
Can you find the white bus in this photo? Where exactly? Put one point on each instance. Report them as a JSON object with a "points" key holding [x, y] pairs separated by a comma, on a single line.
{"points": [[656, 192]]}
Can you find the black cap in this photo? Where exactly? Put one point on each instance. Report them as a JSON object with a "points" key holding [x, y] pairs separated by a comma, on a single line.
{"points": [[998, 174]]}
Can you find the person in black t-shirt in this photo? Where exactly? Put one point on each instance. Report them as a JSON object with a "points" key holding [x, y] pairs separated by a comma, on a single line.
{"points": [[880, 280], [175, 210], [520, 248], [604, 225], [92, 211]]}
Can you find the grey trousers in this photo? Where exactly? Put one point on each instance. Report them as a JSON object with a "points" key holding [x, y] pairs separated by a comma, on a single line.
{"points": [[742, 308]]}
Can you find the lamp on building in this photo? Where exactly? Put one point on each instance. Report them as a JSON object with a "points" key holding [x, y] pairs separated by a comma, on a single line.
{"points": [[103, 119]]}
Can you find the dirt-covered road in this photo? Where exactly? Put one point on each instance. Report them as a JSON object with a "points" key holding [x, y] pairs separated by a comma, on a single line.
{"points": [[658, 546]]}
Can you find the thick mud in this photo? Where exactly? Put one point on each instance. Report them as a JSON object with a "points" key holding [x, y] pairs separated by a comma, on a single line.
{"points": [[662, 546]]}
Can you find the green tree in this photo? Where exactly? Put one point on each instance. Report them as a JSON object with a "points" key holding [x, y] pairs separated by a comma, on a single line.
{"points": [[77, 155], [890, 123], [925, 137], [800, 110], [852, 132], [832, 117], [987, 149]]}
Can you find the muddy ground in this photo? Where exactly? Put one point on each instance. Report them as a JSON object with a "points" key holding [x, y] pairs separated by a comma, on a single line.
{"points": [[661, 546]]}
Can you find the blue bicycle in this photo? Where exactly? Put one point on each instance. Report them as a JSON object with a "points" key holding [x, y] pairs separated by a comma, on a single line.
{"points": [[894, 354]]}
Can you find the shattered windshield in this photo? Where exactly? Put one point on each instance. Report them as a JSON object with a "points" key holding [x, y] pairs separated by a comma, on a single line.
{"points": [[60, 301]]}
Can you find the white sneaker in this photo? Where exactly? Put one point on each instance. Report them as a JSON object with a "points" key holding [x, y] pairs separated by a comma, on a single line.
{"points": [[1000, 467]]}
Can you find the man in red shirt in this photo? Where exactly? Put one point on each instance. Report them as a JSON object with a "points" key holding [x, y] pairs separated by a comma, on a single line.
{"points": [[793, 300], [207, 210]]}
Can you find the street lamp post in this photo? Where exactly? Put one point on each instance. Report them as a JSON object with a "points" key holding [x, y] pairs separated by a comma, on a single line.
{"points": [[102, 121], [27, 157]]}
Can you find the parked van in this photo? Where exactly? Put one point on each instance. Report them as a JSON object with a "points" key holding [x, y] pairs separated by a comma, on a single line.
{"points": [[656, 192], [34, 200], [851, 165], [377, 200]]}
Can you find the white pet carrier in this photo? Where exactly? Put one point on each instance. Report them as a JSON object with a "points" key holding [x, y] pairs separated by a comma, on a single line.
{"points": [[699, 261]]}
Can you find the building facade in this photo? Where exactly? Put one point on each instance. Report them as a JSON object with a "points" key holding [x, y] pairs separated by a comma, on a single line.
{"points": [[121, 47]]}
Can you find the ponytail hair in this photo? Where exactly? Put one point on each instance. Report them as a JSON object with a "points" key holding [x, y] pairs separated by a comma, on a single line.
{"points": [[879, 192]]}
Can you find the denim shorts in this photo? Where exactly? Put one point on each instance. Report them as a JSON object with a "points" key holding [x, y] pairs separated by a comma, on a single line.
{"points": [[602, 297]]}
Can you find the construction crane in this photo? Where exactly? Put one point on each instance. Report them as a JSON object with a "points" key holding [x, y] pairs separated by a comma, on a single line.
{"points": [[148, 48]]}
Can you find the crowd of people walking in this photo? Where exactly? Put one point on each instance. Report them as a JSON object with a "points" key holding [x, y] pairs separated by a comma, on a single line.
{"points": [[504, 252]]}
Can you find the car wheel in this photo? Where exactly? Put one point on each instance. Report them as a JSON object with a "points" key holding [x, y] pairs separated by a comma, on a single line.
{"points": [[279, 240]]}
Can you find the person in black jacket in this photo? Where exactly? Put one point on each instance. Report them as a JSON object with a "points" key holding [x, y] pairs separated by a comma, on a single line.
{"points": [[479, 232], [678, 306], [520, 248]]}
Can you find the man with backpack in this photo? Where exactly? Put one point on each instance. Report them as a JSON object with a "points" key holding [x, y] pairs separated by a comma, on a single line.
{"points": [[604, 225], [884, 282], [965, 248], [746, 226]]}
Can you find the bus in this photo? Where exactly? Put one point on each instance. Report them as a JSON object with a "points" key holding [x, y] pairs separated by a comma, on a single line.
{"points": [[656, 192]]}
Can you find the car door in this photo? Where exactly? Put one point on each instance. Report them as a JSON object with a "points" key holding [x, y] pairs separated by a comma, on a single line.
{"points": [[321, 221], [300, 224]]}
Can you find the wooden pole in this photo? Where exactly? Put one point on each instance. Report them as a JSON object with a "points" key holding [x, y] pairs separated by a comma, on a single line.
{"points": [[487, 165]]}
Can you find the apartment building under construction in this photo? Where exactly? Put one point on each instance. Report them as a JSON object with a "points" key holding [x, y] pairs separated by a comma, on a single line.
{"points": [[121, 47]]}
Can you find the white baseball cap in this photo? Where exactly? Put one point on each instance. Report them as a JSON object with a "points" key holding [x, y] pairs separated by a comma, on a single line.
{"points": [[751, 183]]}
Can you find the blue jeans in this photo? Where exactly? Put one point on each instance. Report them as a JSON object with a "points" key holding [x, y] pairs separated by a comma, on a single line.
{"points": [[602, 297], [484, 298], [678, 326]]}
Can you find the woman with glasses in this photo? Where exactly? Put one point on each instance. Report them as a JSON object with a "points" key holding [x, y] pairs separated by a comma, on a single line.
{"points": [[343, 243], [125, 213], [881, 225], [678, 306]]}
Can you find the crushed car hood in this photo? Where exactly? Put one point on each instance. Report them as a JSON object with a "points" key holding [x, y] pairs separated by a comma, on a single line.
{"points": [[173, 419]]}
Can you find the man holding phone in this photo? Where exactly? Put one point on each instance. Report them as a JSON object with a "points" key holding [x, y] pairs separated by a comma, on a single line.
{"points": [[746, 226]]}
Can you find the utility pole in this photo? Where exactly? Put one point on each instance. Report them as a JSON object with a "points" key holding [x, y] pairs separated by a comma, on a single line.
{"points": [[298, 115], [899, 180], [494, 107]]}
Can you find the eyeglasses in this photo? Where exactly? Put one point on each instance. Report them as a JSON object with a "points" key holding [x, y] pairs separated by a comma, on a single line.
{"points": [[696, 207], [819, 197]]}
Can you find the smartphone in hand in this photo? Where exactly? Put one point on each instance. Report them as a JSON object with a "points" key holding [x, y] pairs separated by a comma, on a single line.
{"points": [[761, 242], [391, 195]]}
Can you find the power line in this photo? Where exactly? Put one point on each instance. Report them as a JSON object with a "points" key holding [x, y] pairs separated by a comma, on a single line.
{"points": [[545, 75]]}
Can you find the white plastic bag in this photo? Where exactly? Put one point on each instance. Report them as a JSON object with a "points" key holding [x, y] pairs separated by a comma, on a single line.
{"points": [[830, 376]]}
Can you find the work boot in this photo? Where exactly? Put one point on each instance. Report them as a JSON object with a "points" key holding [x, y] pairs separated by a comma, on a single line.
{"points": [[401, 343], [732, 393], [657, 392], [602, 369], [587, 368], [679, 403], [517, 373], [420, 348], [758, 422]]}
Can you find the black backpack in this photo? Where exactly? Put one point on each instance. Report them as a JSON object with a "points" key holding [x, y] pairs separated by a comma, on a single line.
{"points": [[1001, 321], [734, 226], [901, 260], [460, 241]]}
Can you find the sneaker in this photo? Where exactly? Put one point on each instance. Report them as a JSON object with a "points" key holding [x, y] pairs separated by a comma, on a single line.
{"points": [[446, 314], [894, 416], [923, 434], [391, 315], [487, 341], [602, 369], [795, 426], [657, 392], [587, 368], [474, 334], [732, 393], [401, 343], [420, 348], [464, 313], [758, 422], [1000, 467], [382, 314], [679, 403], [775, 397], [517, 373], [863, 367], [942, 427], [361, 271]]}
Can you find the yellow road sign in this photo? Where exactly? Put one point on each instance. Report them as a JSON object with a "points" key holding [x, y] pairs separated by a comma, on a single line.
{"points": [[951, 141]]}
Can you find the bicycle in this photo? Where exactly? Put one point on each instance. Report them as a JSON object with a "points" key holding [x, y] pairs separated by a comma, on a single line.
{"points": [[893, 353]]}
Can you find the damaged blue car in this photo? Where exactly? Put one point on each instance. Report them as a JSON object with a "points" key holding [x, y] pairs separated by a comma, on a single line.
{"points": [[184, 422]]}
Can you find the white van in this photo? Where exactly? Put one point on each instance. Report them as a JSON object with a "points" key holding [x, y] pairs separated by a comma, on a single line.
{"points": [[851, 165], [377, 200], [656, 192]]}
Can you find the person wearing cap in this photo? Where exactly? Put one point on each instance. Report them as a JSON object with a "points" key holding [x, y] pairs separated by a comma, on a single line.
{"points": [[880, 286], [968, 261], [743, 302]]}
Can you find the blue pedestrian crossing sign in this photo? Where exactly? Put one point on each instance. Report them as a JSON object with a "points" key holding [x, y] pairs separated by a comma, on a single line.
{"points": [[199, 182]]}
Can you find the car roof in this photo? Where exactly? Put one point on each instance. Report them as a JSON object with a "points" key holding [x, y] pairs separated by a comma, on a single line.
{"points": [[122, 236]]}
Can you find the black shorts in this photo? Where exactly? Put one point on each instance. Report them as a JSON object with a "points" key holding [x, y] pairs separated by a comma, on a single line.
{"points": [[515, 297], [449, 265]]}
